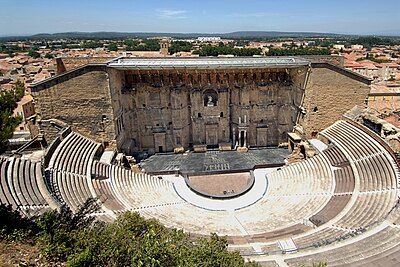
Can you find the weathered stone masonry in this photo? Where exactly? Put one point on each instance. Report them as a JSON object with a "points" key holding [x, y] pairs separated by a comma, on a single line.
{"points": [[330, 92], [80, 98], [159, 109]]}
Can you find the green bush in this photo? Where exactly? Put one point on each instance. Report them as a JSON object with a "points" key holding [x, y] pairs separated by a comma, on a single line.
{"points": [[59, 231], [180, 46], [8, 102], [78, 240], [134, 241], [144, 45], [13, 226], [33, 53]]}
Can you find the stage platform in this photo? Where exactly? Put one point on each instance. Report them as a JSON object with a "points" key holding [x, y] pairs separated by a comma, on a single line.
{"points": [[214, 161]]}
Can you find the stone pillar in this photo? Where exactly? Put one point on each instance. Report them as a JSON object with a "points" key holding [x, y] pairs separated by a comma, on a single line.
{"points": [[242, 134], [245, 139], [233, 136]]}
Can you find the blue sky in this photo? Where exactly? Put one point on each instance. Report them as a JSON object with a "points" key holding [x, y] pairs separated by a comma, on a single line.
{"points": [[207, 16]]}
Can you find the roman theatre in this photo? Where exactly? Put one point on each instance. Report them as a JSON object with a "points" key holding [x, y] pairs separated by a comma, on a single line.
{"points": [[278, 154]]}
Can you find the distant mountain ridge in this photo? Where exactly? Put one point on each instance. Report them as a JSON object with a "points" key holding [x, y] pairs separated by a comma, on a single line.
{"points": [[121, 35]]}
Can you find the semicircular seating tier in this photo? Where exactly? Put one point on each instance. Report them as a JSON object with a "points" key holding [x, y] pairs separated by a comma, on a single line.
{"points": [[22, 186], [365, 232], [342, 201]]}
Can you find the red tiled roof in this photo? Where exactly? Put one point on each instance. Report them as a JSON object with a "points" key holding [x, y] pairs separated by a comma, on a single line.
{"points": [[394, 120], [352, 64]]}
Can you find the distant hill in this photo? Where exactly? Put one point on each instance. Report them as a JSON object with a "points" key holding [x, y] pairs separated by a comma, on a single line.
{"points": [[253, 34], [123, 35]]}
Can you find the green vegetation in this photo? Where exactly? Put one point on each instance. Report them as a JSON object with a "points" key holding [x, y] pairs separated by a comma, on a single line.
{"points": [[370, 41], [113, 47], [8, 102], [13, 227], [180, 46], [144, 45], [91, 44], [372, 58], [79, 240], [323, 42], [11, 49], [241, 43], [221, 49], [49, 56], [298, 51], [33, 53], [131, 43]]}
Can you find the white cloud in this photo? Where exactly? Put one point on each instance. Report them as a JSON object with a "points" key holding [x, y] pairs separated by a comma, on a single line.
{"points": [[255, 14], [171, 14]]}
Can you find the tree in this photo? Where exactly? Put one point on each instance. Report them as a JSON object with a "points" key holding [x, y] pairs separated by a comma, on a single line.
{"points": [[13, 226], [144, 45], [11, 49], [19, 89], [91, 44], [59, 230], [209, 50], [180, 46], [134, 241], [68, 239], [112, 47], [33, 53], [8, 102]]}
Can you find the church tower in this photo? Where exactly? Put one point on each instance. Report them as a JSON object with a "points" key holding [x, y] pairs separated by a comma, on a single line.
{"points": [[164, 45]]}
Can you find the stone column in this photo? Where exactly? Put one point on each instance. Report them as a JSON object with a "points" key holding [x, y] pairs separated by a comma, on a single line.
{"points": [[233, 136], [245, 139]]}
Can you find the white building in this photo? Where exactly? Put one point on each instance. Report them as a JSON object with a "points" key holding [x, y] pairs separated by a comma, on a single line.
{"points": [[357, 47], [209, 39], [338, 46]]}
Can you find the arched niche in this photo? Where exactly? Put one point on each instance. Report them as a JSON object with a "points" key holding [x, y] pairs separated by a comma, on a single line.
{"points": [[210, 98]]}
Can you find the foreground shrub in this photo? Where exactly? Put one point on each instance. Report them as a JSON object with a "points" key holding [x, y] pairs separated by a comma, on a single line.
{"points": [[13, 226], [131, 240]]}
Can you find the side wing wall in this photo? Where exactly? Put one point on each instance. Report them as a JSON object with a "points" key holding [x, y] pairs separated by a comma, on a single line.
{"points": [[80, 98]]}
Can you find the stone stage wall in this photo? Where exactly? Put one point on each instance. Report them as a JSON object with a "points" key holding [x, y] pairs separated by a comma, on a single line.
{"points": [[165, 109], [159, 110]]}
